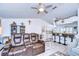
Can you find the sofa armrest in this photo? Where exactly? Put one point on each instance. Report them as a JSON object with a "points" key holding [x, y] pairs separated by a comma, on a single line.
{"points": [[41, 41], [6, 50]]}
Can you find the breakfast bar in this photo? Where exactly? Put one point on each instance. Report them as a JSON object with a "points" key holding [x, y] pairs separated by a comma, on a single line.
{"points": [[64, 35]]}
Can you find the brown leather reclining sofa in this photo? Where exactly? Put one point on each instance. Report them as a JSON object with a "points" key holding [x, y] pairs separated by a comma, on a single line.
{"points": [[37, 46], [32, 45]]}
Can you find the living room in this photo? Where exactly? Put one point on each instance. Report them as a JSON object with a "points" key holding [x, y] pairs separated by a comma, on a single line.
{"points": [[39, 29]]}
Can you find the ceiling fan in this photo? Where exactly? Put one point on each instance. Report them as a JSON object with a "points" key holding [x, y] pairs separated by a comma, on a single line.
{"points": [[43, 8]]}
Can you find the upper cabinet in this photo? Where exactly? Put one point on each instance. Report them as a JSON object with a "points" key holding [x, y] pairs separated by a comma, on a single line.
{"points": [[69, 20], [69, 25]]}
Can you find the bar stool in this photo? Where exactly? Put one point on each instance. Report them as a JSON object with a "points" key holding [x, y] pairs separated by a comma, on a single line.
{"points": [[60, 38], [54, 37], [57, 37], [71, 36], [68, 40], [64, 35]]}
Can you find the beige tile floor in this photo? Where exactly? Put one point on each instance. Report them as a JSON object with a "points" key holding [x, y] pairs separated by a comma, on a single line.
{"points": [[51, 47]]}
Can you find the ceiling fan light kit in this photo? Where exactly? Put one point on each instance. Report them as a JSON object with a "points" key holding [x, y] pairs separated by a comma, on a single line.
{"points": [[41, 8]]}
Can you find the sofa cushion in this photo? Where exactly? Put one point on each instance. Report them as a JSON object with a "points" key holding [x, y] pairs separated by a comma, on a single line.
{"points": [[37, 45], [26, 38], [17, 48], [34, 38]]}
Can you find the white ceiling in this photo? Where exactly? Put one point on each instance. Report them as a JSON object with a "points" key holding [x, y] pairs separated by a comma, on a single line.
{"points": [[23, 10]]}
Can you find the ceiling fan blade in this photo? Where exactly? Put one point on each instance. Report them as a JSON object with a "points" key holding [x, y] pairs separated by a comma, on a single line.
{"points": [[40, 3], [54, 7], [38, 12], [48, 6], [56, 21], [33, 7], [45, 11]]}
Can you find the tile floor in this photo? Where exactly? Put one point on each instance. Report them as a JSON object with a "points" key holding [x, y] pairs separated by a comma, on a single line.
{"points": [[51, 47]]}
